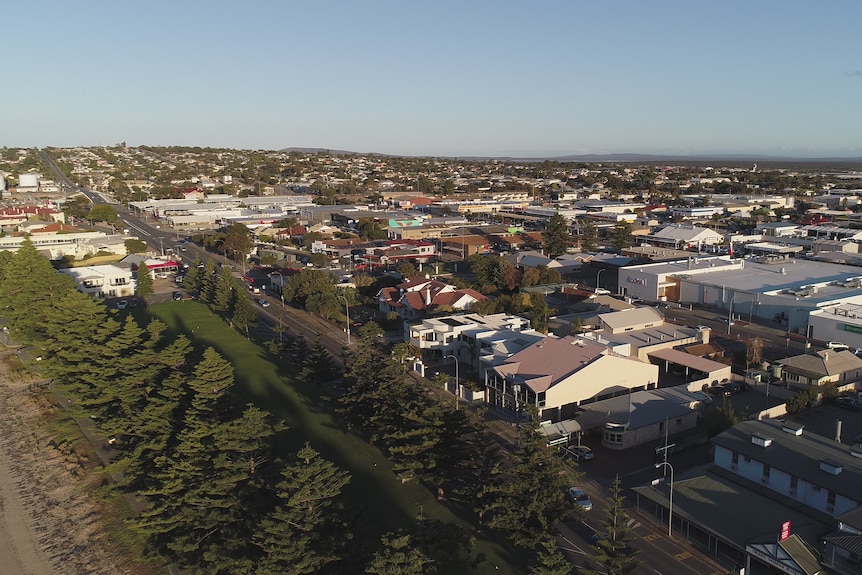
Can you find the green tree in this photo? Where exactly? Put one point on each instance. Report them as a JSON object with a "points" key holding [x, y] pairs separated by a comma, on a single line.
{"points": [[103, 213], [303, 534], [550, 560], [588, 234], [143, 281], [622, 235], [135, 246], [613, 554], [556, 236], [525, 501]]}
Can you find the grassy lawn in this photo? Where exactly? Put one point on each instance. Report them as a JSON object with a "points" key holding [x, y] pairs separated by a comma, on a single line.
{"points": [[374, 491]]}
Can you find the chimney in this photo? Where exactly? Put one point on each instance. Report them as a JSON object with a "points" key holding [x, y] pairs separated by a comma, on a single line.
{"points": [[428, 296], [838, 430]]}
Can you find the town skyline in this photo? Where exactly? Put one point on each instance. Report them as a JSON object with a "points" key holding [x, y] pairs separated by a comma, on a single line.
{"points": [[486, 79]]}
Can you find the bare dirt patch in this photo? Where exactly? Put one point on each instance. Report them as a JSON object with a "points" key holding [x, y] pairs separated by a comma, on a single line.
{"points": [[48, 523]]}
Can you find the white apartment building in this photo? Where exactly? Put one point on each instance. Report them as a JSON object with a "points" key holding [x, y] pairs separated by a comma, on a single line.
{"points": [[468, 337], [103, 281]]}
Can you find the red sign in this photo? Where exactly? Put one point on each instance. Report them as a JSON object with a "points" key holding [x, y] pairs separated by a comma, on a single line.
{"points": [[785, 531]]}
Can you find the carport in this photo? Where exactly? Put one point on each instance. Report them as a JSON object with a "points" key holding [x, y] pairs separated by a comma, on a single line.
{"points": [[693, 367]]}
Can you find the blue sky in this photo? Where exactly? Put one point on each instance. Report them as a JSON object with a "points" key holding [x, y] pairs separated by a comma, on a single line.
{"points": [[472, 77]]}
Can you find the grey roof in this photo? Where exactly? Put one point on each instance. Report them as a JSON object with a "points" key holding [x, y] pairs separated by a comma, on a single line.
{"points": [[799, 456], [634, 316], [823, 363], [738, 513], [639, 409]]}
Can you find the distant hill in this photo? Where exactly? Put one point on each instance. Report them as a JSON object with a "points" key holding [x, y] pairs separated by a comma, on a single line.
{"points": [[728, 159]]}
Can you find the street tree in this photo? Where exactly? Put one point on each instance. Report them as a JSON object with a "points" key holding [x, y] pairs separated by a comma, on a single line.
{"points": [[613, 554], [103, 213], [556, 236], [622, 235], [588, 235], [525, 500], [143, 281]]}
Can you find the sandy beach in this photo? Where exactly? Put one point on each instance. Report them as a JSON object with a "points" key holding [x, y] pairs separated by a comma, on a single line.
{"points": [[48, 526]]}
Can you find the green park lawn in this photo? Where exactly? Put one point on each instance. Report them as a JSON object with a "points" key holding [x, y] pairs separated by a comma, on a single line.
{"points": [[374, 492]]}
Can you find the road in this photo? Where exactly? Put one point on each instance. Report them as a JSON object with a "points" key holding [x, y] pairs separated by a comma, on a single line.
{"points": [[658, 554]]}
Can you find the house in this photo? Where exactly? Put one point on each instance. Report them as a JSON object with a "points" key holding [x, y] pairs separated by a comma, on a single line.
{"points": [[828, 366], [682, 236], [420, 295], [642, 416], [103, 281], [557, 376], [467, 336]]}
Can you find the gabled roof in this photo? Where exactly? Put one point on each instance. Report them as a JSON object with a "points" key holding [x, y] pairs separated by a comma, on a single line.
{"points": [[797, 455], [550, 361], [823, 363], [633, 316]]}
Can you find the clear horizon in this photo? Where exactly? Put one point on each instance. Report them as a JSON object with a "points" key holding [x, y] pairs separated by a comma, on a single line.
{"points": [[485, 79]]}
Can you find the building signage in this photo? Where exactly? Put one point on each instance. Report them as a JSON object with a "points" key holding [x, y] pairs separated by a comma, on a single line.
{"points": [[853, 328], [636, 281], [788, 567], [785, 531]]}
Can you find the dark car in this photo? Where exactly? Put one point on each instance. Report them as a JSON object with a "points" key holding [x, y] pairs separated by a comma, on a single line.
{"points": [[720, 390], [848, 402], [177, 295]]}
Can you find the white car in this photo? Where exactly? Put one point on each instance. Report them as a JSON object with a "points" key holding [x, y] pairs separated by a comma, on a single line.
{"points": [[122, 304], [263, 302], [602, 291], [579, 497]]}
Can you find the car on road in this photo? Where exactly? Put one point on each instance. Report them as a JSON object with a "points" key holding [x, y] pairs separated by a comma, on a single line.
{"points": [[580, 498], [263, 302], [177, 296], [602, 291], [837, 346], [123, 304]]}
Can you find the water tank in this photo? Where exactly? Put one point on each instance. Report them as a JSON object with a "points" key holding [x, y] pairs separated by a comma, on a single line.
{"points": [[28, 181]]}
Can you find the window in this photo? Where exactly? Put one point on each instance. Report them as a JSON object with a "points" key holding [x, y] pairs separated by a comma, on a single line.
{"points": [[794, 484], [734, 460], [830, 501], [766, 471]]}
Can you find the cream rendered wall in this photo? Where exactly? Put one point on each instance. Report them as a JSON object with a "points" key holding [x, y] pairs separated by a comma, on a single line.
{"points": [[606, 375]]}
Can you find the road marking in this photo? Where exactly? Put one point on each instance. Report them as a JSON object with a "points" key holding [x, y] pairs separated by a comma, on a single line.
{"points": [[651, 537], [682, 556]]}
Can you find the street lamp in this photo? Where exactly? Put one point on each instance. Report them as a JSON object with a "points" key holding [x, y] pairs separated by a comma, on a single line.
{"points": [[457, 380], [730, 313], [597, 278], [346, 312], [670, 499]]}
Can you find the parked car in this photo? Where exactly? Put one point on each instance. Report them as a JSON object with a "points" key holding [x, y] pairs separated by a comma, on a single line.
{"points": [[720, 390], [177, 295], [848, 402], [579, 497], [581, 452], [602, 291], [122, 304], [837, 346]]}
